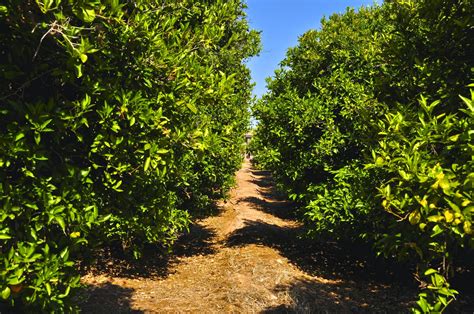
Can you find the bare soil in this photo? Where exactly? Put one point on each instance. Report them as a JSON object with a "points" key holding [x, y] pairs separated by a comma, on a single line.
{"points": [[250, 258]]}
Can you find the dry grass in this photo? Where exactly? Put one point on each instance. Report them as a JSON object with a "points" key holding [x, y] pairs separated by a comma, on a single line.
{"points": [[248, 259]]}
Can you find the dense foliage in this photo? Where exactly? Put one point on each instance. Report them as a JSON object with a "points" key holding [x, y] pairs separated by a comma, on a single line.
{"points": [[368, 124], [118, 120]]}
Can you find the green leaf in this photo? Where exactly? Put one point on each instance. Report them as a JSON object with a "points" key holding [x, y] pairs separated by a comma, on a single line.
{"points": [[3, 10], [105, 218], [414, 217], [66, 292], [87, 15], [435, 218], [65, 253], [48, 288], [6, 293], [379, 161], [83, 57], [147, 163], [61, 222], [78, 70], [423, 304], [452, 205], [14, 281], [436, 230], [19, 136], [192, 107], [468, 103], [444, 184], [45, 5], [37, 138], [28, 173]]}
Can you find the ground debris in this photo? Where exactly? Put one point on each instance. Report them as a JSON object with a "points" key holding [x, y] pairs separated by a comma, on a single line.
{"points": [[251, 260]]}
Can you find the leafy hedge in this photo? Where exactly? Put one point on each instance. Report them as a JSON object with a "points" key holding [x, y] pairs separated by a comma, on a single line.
{"points": [[364, 125], [118, 120]]}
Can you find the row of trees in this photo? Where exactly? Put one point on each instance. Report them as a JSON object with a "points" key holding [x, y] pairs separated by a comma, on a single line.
{"points": [[368, 124], [118, 121]]}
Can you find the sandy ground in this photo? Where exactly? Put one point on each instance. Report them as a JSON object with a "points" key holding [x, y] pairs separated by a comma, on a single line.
{"points": [[249, 259]]}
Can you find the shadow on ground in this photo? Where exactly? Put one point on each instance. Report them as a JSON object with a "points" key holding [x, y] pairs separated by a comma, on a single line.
{"points": [[107, 298], [331, 260], [265, 173], [309, 296], [272, 201], [349, 282], [156, 261], [277, 208], [263, 183], [351, 279], [358, 282]]}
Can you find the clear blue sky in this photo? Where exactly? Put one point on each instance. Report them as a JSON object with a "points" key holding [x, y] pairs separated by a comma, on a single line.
{"points": [[281, 23]]}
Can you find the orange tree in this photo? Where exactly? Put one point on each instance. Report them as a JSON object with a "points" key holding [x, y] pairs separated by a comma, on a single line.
{"points": [[364, 126], [118, 121]]}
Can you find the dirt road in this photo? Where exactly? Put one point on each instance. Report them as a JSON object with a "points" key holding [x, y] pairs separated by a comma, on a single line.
{"points": [[248, 259]]}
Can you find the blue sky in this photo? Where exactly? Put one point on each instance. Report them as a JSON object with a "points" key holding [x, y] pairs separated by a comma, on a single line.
{"points": [[281, 23]]}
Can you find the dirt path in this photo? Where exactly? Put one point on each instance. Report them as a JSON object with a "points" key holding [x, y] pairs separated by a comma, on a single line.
{"points": [[247, 259]]}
